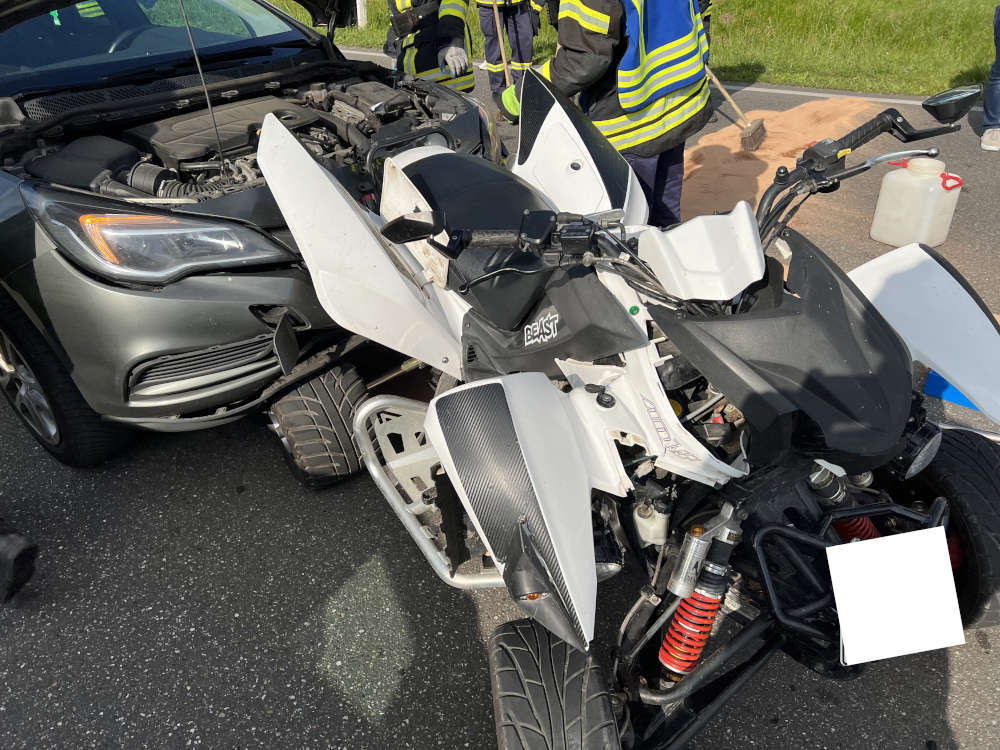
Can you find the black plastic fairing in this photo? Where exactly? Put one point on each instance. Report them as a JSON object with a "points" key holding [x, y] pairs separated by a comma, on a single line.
{"points": [[821, 373], [576, 318], [505, 299]]}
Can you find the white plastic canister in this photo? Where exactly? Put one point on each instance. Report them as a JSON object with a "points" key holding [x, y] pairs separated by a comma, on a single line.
{"points": [[916, 204]]}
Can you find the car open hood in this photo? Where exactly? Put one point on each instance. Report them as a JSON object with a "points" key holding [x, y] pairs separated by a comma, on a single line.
{"points": [[12, 13], [323, 10]]}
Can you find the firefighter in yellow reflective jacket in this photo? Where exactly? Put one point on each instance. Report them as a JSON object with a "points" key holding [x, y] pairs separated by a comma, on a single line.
{"points": [[520, 19], [639, 68], [430, 39]]}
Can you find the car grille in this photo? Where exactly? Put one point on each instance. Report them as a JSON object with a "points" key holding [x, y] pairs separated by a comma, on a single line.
{"points": [[191, 371]]}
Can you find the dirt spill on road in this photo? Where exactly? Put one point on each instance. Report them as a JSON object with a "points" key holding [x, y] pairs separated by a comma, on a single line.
{"points": [[717, 174]]}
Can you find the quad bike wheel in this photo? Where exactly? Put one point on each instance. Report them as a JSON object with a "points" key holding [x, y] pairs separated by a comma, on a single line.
{"points": [[314, 422], [967, 472], [546, 694], [45, 399]]}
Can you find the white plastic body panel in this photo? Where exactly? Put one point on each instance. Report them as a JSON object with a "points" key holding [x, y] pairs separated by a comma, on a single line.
{"points": [[706, 258], [644, 415], [400, 196], [558, 474], [944, 325], [642, 412], [560, 167], [365, 283]]}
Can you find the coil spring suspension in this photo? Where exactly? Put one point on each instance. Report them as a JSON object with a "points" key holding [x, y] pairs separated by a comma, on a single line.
{"points": [[689, 630], [861, 527], [692, 623]]}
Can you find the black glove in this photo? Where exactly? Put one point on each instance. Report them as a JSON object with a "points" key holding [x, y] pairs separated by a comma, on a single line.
{"points": [[536, 22]]}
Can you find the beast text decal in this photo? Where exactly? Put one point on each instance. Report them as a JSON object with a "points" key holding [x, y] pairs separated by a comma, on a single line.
{"points": [[542, 330], [670, 444]]}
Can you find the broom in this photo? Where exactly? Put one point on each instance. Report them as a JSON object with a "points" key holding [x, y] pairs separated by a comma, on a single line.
{"points": [[753, 132], [503, 50]]}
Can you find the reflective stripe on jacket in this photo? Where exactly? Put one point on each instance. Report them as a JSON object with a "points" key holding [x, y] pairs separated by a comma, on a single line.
{"points": [[647, 92], [444, 28], [667, 51]]}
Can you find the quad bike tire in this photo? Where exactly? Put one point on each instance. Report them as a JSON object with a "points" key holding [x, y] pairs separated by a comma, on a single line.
{"points": [[967, 472], [70, 430], [546, 694], [315, 424]]}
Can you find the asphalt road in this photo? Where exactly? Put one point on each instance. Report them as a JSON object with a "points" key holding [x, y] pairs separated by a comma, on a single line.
{"points": [[193, 594]]}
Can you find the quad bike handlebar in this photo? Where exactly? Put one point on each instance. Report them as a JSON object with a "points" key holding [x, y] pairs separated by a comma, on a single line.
{"points": [[821, 167]]}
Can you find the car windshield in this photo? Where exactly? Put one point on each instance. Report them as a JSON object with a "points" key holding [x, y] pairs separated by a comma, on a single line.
{"points": [[95, 41]]}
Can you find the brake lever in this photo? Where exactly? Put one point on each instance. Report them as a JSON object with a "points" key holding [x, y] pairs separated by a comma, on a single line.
{"points": [[864, 166]]}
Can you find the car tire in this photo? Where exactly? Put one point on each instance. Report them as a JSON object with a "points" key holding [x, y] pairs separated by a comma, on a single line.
{"points": [[546, 694], [966, 471], [315, 424], [45, 398]]}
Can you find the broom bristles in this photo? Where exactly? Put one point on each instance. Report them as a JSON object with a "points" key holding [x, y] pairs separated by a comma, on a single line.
{"points": [[753, 135]]}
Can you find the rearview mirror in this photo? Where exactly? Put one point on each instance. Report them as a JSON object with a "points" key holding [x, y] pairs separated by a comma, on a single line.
{"points": [[952, 105], [419, 225]]}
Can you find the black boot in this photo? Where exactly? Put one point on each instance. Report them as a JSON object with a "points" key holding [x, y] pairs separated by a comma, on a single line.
{"points": [[17, 561]]}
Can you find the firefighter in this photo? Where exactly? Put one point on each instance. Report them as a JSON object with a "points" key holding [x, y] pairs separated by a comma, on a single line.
{"points": [[521, 19], [639, 68], [430, 39]]}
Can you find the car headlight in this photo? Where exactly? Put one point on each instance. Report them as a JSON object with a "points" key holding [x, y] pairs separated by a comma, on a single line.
{"points": [[143, 247]]}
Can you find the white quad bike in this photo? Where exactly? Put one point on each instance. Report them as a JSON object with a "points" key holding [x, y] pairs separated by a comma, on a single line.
{"points": [[601, 392]]}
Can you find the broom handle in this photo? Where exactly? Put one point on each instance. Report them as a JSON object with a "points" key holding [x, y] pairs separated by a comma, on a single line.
{"points": [[734, 105], [503, 50]]}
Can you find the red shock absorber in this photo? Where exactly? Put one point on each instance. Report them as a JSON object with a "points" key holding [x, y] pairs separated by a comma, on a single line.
{"points": [[689, 630], [692, 623], [861, 527]]}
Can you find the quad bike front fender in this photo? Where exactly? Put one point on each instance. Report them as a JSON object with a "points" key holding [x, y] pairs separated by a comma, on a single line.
{"points": [[365, 283], [942, 319], [508, 446]]}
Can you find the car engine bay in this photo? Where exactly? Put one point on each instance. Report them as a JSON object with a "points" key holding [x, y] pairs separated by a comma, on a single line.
{"points": [[348, 126]]}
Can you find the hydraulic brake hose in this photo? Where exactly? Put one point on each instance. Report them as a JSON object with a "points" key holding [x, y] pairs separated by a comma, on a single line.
{"points": [[756, 629], [741, 676]]}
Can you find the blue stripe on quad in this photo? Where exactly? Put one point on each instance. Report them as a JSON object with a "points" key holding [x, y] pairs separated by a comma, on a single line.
{"points": [[940, 388]]}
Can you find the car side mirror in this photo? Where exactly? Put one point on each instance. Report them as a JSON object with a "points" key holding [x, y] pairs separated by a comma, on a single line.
{"points": [[420, 225], [954, 104]]}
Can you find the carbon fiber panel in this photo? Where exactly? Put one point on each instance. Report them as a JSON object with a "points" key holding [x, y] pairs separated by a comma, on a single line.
{"points": [[477, 425], [480, 434]]}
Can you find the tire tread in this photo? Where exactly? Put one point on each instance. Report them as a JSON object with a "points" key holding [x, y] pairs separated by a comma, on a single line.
{"points": [[967, 472], [316, 421], [546, 694]]}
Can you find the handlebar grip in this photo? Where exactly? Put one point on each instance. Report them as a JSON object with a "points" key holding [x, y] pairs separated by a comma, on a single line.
{"points": [[881, 123], [493, 238]]}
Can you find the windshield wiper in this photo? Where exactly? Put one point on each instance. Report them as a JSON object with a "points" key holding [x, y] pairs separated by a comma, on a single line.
{"points": [[159, 69]]}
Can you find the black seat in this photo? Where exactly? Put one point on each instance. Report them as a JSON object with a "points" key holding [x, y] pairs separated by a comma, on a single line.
{"points": [[476, 194]]}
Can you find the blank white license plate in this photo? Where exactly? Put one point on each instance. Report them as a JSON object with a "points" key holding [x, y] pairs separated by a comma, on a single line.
{"points": [[895, 596]]}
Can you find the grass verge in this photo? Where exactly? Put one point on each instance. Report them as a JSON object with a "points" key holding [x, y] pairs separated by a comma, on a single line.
{"points": [[858, 45]]}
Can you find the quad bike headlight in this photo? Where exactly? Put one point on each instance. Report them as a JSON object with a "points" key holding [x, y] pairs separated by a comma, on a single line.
{"points": [[916, 452], [144, 247]]}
